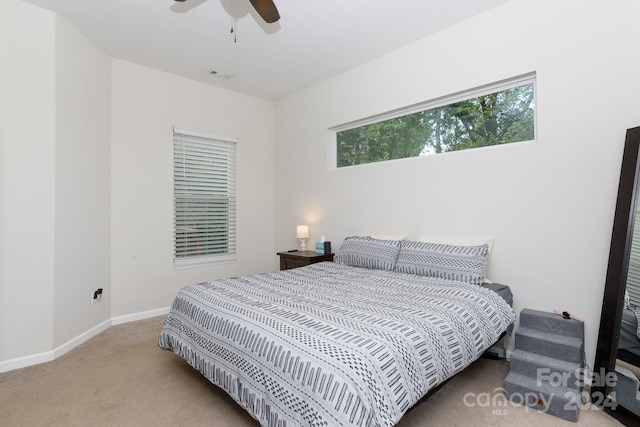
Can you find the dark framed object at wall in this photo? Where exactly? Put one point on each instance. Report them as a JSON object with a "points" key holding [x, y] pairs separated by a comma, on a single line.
{"points": [[616, 278]]}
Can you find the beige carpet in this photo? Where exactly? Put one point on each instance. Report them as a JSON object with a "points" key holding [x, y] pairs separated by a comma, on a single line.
{"points": [[122, 378]]}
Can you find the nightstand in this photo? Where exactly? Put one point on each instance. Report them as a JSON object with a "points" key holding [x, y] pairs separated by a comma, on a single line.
{"points": [[301, 258]]}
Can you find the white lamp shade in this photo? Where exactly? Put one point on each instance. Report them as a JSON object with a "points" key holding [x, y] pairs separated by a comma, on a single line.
{"points": [[302, 231]]}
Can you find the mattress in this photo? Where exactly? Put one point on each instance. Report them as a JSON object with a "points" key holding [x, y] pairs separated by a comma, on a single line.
{"points": [[628, 343], [503, 290], [330, 344]]}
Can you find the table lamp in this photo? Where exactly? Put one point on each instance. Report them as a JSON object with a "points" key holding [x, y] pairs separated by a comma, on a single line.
{"points": [[302, 232]]}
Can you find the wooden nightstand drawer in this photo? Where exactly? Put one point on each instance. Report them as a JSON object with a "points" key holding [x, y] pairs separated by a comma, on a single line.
{"points": [[301, 258]]}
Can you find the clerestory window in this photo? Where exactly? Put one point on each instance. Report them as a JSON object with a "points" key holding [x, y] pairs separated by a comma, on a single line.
{"points": [[496, 114]]}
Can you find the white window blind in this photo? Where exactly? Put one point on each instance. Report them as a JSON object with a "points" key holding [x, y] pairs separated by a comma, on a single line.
{"points": [[204, 188], [633, 277]]}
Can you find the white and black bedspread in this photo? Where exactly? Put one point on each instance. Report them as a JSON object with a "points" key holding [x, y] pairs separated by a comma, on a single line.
{"points": [[329, 344]]}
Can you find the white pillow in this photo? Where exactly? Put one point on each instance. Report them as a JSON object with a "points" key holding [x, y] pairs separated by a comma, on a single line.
{"points": [[367, 252], [462, 263], [462, 241], [458, 241], [388, 236]]}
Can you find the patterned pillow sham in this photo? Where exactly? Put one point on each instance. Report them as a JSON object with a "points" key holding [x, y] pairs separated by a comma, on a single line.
{"points": [[367, 252], [462, 263]]}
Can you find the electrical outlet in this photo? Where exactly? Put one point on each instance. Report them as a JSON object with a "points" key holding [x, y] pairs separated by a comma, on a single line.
{"points": [[96, 296]]}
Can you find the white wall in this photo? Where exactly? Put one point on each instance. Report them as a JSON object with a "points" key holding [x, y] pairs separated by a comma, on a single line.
{"points": [[548, 204], [146, 104], [82, 177], [27, 178], [54, 181], [86, 184]]}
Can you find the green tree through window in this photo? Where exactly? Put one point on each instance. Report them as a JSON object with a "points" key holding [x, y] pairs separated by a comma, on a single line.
{"points": [[496, 118]]}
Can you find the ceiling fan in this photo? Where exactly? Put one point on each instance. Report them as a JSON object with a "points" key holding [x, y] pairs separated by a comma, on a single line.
{"points": [[265, 8]]}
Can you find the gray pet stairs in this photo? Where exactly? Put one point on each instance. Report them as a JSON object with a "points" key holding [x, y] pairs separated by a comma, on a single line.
{"points": [[546, 367], [625, 391]]}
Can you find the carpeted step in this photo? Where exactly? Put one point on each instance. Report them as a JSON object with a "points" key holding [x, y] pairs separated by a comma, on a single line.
{"points": [[562, 402], [544, 368], [550, 322], [563, 347]]}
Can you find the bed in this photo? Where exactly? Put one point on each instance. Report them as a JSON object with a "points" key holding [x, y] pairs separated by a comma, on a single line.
{"points": [[356, 342], [628, 343]]}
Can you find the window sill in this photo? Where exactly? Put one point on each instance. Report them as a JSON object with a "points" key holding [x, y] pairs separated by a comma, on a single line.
{"points": [[183, 264]]}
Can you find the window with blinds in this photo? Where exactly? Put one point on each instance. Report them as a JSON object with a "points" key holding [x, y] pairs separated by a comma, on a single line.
{"points": [[633, 277], [204, 198]]}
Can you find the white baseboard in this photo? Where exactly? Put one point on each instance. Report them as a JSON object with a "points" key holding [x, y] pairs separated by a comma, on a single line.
{"points": [[139, 316], [85, 336], [48, 356], [23, 362]]}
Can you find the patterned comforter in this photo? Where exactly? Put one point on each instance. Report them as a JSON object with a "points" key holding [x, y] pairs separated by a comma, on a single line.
{"points": [[329, 344]]}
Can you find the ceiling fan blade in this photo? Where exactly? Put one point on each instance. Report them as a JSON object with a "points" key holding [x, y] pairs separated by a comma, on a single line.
{"points": [[266, 9]]}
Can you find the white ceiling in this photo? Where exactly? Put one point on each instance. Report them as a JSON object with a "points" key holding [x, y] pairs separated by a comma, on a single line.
{"points": [[314, 39]]}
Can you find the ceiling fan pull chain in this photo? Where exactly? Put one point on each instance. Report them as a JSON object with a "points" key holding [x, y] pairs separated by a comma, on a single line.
{"points": [[233, 23], [234, 30]]}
